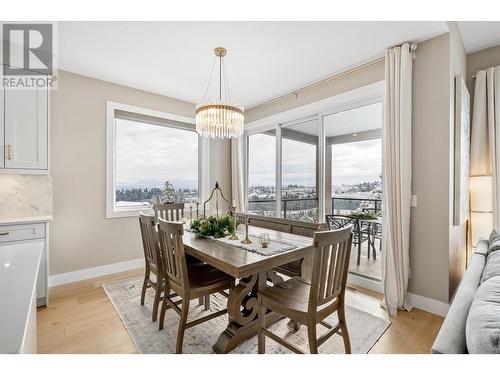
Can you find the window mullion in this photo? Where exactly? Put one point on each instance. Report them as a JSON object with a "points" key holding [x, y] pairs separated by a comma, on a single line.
{"points": [[279, 156]]}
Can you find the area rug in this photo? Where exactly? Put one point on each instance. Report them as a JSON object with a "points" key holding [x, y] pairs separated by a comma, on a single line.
{"points": [[364, 329]]}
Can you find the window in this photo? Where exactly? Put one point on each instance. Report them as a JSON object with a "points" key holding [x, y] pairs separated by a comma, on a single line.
{"points": [[262, 173], [299, 199], [144, 152]]}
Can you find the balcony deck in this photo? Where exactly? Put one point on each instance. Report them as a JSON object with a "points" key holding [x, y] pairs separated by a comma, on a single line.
{"points": [[367, 267]]}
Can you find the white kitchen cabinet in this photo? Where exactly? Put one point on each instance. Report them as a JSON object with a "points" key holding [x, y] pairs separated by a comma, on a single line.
{"points": [[31, 232], [24, 129]]}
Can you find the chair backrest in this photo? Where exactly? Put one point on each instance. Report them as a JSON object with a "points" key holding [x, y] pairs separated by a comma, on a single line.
{"points": [[172, 248], [282, 225], [150, 243], [340, 221], [332, 250], [169, 211]]}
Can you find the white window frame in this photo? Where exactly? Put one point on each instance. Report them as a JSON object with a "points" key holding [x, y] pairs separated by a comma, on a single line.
{"points": [[111, 210], [359, 97]]}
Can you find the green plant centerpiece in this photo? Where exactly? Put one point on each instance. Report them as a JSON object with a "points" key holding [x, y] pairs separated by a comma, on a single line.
{"points": [[364, 215], [212, 226]]}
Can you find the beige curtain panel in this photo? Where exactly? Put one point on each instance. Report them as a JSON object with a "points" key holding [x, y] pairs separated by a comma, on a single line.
{"points": [[485, 134], [238, 173], [396, 190]]}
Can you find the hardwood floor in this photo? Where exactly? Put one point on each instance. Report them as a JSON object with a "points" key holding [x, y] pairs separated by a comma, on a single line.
{"points": [[81, 319]]}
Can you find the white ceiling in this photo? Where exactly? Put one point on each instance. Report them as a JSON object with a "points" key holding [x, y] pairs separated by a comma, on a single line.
{"points": [[356, 120], [265, 59], [478, 35]]}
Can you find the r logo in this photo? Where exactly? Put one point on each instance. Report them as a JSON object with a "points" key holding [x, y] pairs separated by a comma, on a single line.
{"points": [[27, 49]]}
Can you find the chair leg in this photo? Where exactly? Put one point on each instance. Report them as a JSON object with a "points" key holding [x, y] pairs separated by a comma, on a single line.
{"points": [[313, 341], [156, 303], [262, 324], [359, 251], [344, 331], [144, 287], [206, 303], [200, 301], [182, 325], [164, 305]]}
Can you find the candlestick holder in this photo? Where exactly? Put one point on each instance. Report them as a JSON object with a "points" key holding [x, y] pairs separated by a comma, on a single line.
{"points": [[246, 240], [231, 213]]}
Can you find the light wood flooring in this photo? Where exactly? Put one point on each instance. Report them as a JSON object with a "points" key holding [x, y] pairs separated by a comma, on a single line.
{"points": [[81, 319]]}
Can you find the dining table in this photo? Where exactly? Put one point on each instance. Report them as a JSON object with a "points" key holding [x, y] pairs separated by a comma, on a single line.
{"points": [[252, 271]]}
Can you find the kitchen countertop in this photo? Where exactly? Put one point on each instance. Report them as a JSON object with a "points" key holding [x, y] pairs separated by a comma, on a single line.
{"points": [[19, 264], [27, 219]]}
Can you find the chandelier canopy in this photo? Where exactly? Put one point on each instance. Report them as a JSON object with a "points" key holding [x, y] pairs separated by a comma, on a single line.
{"points": [[218, 118]]}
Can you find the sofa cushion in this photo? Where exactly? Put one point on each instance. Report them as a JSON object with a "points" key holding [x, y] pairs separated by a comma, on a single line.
{"points": [[492, 267], [494, 241], [483, 323]]}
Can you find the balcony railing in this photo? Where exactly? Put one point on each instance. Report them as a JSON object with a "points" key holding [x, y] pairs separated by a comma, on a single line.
{"points": [[305, 209], [347, 205]]}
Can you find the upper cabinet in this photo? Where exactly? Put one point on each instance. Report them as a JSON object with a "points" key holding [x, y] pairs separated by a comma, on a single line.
{"points": [[24, 129]]}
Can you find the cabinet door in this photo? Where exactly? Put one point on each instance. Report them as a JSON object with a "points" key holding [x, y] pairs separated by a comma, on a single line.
{"points": [[26, 128]]}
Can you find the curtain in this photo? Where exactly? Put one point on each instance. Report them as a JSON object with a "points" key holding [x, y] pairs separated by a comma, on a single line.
{"points": [[238, 173], [396, 189], [485, 132]]}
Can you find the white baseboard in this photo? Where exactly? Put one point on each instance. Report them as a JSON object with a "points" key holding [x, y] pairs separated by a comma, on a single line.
{"points": [[423, 303], [428, 304], [89, 273]]}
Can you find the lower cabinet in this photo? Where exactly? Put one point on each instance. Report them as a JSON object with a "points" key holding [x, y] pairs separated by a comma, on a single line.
{"points": [[11, 233]]}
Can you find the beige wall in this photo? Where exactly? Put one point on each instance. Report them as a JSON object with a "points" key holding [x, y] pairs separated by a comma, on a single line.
{"points": [[430, 170], [344, 82], [80, 235]]}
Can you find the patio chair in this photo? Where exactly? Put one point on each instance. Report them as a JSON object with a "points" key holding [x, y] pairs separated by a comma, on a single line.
{"points": [[359, 233]]}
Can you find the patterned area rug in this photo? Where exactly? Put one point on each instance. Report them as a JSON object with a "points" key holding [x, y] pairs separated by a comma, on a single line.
{"points": [[364, 329]]}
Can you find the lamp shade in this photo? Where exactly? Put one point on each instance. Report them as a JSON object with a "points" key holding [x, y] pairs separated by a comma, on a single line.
{"points": [[481, 194], [481, 204]]}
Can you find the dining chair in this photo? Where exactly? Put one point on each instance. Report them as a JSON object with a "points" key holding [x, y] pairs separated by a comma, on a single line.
{"points": [[153, 262], [187, 281], [175, 212], [169, 211], [310, 303]]}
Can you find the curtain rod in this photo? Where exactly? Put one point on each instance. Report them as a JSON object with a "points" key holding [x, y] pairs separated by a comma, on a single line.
{"points": [[413, 47]]}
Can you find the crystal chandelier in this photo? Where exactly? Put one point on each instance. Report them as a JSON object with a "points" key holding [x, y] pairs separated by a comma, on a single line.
{"points": [[219, 118]]}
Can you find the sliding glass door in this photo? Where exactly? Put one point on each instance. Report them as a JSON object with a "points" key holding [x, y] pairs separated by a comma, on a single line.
{"points": [[354, 166]]}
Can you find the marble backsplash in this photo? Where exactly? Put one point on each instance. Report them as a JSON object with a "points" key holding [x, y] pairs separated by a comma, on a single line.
{"points": [[25, 196]]}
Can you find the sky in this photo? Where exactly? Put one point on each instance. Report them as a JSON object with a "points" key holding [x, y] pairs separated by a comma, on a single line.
{"points": [[148, 155], [351, 162]]}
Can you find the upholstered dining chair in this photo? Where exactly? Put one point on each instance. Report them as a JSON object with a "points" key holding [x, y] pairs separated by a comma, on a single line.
{"points": [[187, 281], [152, 260], [310, 303]]}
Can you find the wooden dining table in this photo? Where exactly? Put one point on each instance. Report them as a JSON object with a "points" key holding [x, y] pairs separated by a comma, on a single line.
{"points": [[252, 271]]}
